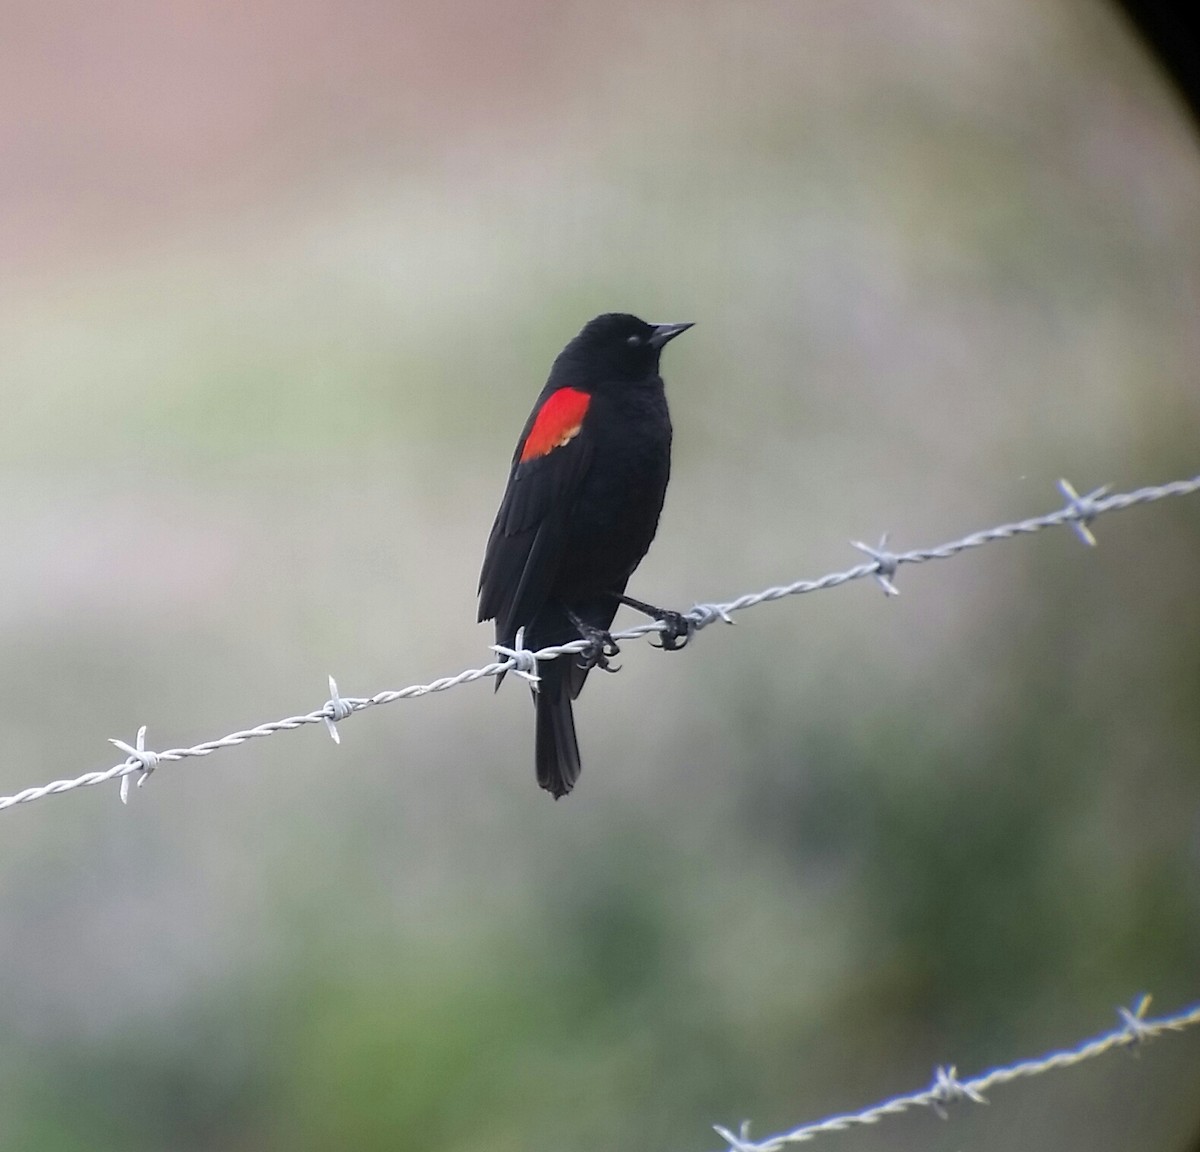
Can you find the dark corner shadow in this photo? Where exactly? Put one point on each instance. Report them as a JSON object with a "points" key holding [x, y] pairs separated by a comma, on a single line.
{"points": [[1171, 36]]}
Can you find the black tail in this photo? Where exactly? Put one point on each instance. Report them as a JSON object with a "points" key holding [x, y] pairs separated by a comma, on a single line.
{"points": [[557, 750]]}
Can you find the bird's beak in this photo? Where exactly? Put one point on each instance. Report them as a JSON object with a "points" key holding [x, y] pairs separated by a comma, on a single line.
{"points": [[665, 332]]}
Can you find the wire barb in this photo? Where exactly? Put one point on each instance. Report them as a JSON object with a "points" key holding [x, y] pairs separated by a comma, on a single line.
{"points": [[336, 709], [1082, 510], [886, 563], [524, 662], [702, 615], [947, 1088], [1079, 513], [140, 760], [738, 1143], [1136, 1032]]}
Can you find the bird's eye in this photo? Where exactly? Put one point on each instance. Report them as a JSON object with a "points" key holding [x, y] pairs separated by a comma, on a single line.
{"points": [[634, 341]]}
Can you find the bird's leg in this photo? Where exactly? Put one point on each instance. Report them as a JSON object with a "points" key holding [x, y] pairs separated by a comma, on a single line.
{"points": [[601, 646], [677, 628]]}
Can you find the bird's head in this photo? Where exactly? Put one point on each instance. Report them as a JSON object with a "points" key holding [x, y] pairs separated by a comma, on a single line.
{"points": [[620, 346]]}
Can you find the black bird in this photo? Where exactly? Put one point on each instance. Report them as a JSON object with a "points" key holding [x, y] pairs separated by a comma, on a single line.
{"points": [[584, 495]]}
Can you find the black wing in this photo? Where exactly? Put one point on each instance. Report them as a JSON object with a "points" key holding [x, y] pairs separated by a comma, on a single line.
{"points": [[525, 547]]}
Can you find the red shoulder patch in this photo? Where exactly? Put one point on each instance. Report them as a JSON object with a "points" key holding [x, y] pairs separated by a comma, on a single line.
{"points": [[557, 422]]}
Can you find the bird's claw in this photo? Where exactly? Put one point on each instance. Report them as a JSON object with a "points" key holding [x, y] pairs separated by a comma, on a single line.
{"points": [[676, 631], [601, 647]]}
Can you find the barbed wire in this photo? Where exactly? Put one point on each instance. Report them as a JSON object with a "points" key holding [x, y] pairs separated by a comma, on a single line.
{"points": [[947, 1088], [1080, 511]]}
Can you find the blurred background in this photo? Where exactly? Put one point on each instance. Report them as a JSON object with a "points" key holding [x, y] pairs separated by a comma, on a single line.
{"points": [[279, 284]]}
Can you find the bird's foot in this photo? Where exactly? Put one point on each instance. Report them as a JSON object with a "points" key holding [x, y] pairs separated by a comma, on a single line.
{"points": [[601, 647], [676, 630]]}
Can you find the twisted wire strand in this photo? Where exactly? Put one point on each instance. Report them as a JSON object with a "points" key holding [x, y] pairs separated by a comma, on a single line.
{"points": [[1079, 512], [946, 1088]]}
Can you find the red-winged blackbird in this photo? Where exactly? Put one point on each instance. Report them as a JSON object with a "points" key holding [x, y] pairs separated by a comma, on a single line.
{"points": [[584, 495]]}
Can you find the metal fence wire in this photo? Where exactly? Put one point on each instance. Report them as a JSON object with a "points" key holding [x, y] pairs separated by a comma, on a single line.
{"points": [[1135, 1029], [1079, 512]]}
